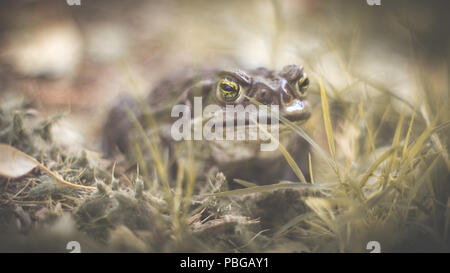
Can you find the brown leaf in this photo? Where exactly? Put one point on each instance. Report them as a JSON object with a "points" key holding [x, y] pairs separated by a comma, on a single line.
{"points": [[14, 163]]}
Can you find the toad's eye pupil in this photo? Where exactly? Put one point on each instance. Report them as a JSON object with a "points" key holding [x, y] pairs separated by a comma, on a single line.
{"points": [[228, 90], [227, 87]]}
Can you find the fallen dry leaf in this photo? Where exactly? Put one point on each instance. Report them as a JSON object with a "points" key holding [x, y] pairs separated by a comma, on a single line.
{"points": [[14, 163]]}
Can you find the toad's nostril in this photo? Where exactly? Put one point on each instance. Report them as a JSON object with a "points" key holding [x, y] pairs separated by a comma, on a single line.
{"points": [[265, 95]]}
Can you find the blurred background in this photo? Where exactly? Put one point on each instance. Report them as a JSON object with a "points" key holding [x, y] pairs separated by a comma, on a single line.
{"points": [[384, 68], [80, 57]]}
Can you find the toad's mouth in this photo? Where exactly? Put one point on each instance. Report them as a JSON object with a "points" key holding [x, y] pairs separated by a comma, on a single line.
{"points": [[295, 111]]}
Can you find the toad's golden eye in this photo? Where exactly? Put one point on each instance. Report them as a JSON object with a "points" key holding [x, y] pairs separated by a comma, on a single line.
{"points": [[303, 83], [228, 89]]}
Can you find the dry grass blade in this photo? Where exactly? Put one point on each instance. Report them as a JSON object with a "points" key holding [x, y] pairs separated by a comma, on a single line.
{"points": [[327, 119], [415, 148], [305, 136], [267, 188], [298, 130], [191, 178], [285, 153], [435, 140], [292, 223], [374, 200], [244, 183], [323, 210], [157, 158], [177, 199], [396, 142], [253, 238], [141, 164], [310, 168], [441, 126], [384, 117], [375, 165], [408, 135], [370, 144], [381, 88], [415, 189]]}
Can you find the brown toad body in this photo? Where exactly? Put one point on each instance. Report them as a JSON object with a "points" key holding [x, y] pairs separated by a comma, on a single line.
{"points": [[236, 158]]}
